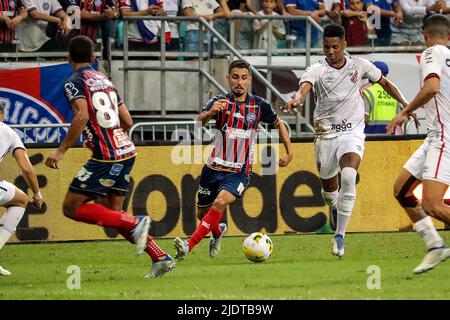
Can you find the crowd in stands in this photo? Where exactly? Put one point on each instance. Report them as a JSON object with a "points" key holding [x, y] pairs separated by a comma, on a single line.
{"points": [[46, 25]]}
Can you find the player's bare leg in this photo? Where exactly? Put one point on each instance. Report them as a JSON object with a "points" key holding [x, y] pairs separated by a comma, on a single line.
{"points": [[76, 207], [330, 192], [403, 192], [162, 262], [11, 218], [210, 222]]}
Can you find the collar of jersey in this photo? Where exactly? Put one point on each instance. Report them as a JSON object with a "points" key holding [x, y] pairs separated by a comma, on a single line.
{"points": [[230, 96]]}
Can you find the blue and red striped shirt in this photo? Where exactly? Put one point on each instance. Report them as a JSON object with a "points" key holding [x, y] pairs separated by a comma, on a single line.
{"points": [[107, 140], [236, 130], [9, 8]]}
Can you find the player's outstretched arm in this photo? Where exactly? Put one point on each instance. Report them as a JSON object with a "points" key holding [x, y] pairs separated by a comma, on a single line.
{"points": [[299, 97], [429, 90], [29, 175], [126, 121], [286, 140], [77, 126]]}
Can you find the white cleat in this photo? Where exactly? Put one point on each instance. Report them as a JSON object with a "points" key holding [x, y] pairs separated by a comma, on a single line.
{"points": [[337, 245], [182, 248], [432, 259], [140, 233], [214, 244], [4, 272], [159, 268]]}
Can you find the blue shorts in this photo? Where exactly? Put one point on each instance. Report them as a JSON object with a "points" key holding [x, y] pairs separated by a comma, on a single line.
{"points": [[98, 179], [213, 181]]}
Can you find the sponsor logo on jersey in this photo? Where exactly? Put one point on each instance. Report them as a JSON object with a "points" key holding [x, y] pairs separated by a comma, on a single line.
{"points": [[344, 126], [205, 191], [239, 133], [116, 169]]}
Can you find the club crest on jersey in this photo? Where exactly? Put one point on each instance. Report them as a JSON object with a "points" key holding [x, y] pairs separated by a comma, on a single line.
{"points": [[251, 117], [45, 6], [354, 77], [107, 182]]}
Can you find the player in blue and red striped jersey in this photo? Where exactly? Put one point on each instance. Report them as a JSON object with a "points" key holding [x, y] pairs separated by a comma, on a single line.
{"points": [[100, 113], [91, 13], [12, 13], [228, 169]]}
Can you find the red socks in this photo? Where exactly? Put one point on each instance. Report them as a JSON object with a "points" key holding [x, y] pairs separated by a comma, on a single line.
{"points": [[209, 223], [94, 213], [153, 250]]}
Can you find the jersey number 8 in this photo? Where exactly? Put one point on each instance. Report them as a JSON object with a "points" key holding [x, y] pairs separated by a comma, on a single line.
{"points": [[107, 110]]}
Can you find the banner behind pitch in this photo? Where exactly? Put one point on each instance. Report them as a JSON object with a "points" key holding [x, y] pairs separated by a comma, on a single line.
{"points": [[287, 202]]}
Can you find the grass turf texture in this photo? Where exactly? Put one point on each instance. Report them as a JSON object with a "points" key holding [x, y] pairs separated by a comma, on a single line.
{"points": [[301, 267]]}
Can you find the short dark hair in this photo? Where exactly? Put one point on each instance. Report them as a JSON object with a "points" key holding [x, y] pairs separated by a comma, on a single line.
{"points": [[334, 30], [437, 25], [81, 49], [241, 64]]}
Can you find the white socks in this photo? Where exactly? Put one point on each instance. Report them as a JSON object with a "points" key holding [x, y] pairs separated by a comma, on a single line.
{"points": [[427, 231], [330, 198], [346, 199], [9, 222]]}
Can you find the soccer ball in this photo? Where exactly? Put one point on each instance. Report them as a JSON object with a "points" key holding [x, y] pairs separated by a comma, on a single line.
{"points": [[257, 247]]}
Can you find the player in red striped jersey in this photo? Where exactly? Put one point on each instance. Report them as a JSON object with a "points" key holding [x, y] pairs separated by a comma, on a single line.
{"points": [[91, 13], [431, 162], [12, 13], [99, 112], [227, 172]]}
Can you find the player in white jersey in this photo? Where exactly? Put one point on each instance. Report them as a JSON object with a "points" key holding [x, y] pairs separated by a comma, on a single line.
{"points": [[339, 123], [431, 162], [11, 197]]}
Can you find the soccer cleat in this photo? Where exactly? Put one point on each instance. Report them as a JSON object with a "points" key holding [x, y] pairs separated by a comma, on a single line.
{"points": [[140, 233], [337, 245], [182, 247], [333, 218], [214, 244], [432, 259], [159, 268], [4, 272]]}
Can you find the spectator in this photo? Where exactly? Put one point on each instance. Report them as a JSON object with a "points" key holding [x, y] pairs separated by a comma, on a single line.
{"points": [[410, 32], [243, 29], [312, 8], [379, 106], [354, 20], [209, 10], [391, 16], [144, 34], [172, 7], [261, 27], [88, 15], [332, 11], [32, 34], [12, 13]]}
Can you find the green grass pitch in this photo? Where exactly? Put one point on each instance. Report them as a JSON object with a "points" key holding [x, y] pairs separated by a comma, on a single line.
{"points": [[301, 267]]}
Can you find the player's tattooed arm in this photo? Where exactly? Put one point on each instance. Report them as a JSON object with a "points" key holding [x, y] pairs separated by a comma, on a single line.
{"points": [[286, 140], [299, 97], [79, 121], [29, 175]]}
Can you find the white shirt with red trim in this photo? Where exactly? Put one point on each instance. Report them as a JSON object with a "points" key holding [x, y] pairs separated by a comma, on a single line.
{"points": [[339, 104], [9, 141], [435, 61]]}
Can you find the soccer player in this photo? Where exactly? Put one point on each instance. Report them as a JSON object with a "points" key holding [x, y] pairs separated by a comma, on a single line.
{"points": [[12, 198], [101, 114], [228, 169], [339, 123], [431, 162]]}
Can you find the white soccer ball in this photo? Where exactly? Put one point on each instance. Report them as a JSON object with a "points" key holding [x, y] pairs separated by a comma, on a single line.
{"points": [[257, 247]]}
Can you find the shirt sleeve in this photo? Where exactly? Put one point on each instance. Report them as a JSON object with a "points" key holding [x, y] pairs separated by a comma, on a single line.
{"points": [[56, 7], [370, 71], [268, 115], [29, 5], [16, 142], [412, 9], [310, 75], [429, 63], [74, 90], [290, 3]]}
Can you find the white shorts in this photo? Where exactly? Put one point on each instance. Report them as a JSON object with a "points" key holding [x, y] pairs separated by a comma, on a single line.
{"points": [[431, 161], [7, 192], [329, 151]]}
